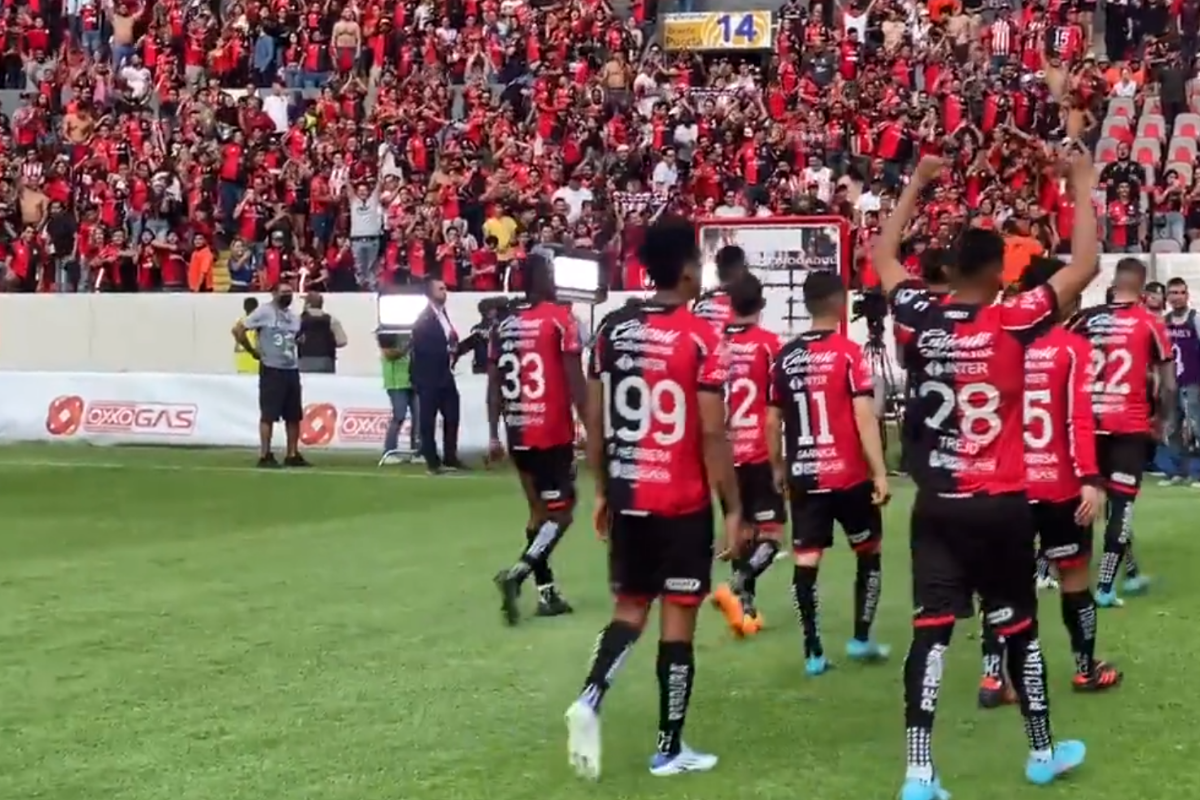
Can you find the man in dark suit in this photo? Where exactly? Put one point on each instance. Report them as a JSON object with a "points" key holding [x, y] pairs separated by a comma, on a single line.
{"points": [[434, 348]]}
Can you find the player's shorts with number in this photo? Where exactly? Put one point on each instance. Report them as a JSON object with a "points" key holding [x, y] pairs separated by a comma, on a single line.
{"points": [[814, 515], [1063, 540], [279, 396], [979, 544], [552, 471], [653, 555]]}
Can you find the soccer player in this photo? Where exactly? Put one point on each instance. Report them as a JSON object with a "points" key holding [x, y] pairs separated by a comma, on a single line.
{"points": [[826, 449], [752, 350], [657, 447], [1129, 343], [972, 527], [714, 304], [534, 377], [1064, 487]]}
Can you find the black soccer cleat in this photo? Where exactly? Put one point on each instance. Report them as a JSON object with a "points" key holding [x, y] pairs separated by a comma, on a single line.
{"points": [[510, 590], [995, 693], [552, 604], [296, 461], [268, 462]]}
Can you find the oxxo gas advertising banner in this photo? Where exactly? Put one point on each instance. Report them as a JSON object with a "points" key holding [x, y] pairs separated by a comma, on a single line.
{"points": [[340, 413]]}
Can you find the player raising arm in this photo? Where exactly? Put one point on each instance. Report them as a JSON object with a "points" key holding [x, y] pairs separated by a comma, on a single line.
{"points": [[751, 350], [825, 448], [972, 531], [1064, 487], [534, 377], [657, 449], [1129, 343]]}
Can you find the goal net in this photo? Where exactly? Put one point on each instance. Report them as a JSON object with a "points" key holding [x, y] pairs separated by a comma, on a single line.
{"points": [[781, 252]]}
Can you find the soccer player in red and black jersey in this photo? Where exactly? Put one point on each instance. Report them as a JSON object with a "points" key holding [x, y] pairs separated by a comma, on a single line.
{"points": [[1129, 344], [714, 305], [751, 350], [534, 377], [972, 527], [1064, 487], [657, 447], [827, 451]]}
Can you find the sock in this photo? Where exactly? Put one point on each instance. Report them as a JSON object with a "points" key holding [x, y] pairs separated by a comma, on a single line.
{"points": [[1131, 566], [922, 682], [808, 608], [746, 570], [613, 646], [1043, 567], [1116, 540], [1079, 615], [676, 673], [992, 647], [538, 550], [542, 574], [1027, 669], [868, 583]]}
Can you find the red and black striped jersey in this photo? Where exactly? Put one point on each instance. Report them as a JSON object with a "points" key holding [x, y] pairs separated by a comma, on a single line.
{"points": [[1060, 434], [652, 361], [1127, 341], [714, 306], [752, 350], [527, 348], [814, 381], [968, 365]]}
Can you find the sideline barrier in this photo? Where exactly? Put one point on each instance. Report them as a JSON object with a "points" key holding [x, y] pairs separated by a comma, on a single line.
{"points": [[185, 333], [340, 413]]}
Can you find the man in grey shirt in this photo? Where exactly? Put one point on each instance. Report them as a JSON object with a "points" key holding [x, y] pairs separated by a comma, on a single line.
{"points": [[278, 374]]}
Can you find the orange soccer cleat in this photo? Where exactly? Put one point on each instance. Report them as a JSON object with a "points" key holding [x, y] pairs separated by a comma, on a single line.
{"points": [[751, 624], [730, 606]]}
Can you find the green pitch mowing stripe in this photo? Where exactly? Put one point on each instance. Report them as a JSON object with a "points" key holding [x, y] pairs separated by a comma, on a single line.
{"points": [[173, 627]]}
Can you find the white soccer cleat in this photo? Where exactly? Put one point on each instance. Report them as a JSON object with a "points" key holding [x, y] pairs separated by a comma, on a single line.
{"points": [[583, 740], [687, 760], [1046, 584]]}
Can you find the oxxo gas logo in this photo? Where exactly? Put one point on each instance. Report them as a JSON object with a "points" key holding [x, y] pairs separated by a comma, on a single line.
{"points": [[69, 414], [323, 423]]}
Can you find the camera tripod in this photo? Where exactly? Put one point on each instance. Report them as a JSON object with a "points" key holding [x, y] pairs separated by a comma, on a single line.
{"points": [[889, 393]]}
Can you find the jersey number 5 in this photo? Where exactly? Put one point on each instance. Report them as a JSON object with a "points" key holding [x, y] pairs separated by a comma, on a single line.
{"points": [[522, 376], [1038, 424]]}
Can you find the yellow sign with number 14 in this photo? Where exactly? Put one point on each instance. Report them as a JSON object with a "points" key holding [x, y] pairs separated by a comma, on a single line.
{"points": [[740, 30]]}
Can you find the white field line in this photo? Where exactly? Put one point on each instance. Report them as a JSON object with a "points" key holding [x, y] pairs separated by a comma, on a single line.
{"points": [[381, 473]]}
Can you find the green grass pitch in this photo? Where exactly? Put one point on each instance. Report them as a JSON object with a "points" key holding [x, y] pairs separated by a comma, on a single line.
{"points": [[175, 626]]}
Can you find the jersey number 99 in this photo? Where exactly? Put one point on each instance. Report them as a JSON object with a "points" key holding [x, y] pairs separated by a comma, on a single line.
{"points": [[632, 406]]}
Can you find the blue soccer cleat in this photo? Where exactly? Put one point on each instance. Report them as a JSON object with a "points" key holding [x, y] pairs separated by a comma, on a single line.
{"points": [[816, 665], [917, 789], [858, 650], [1138, 584], [1108, 599], [1067, 756], [686, 760]]}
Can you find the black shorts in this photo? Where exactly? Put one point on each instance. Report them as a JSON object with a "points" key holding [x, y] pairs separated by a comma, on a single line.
{"points": [[1122, 459], [652, 556], [973, 545], [552, 470], [762, 506], [279, 395], [813, 515], [1063, 540]]}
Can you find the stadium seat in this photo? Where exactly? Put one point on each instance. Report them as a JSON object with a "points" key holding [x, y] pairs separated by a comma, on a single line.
{"points": [[1152, 126], [1106, 150], [1165, 246], [1111, 125], [1182, 149], [1147, 151], [1150, 172], [1194, 247], [1187, 125], [1122, 106], [1153, 105]]}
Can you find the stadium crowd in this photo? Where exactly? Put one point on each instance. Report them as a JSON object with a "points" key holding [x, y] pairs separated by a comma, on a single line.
{"points": [[228, 146]]}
